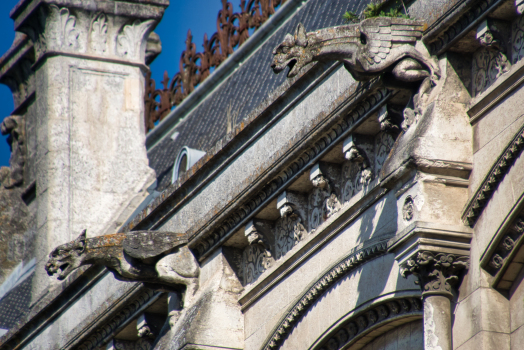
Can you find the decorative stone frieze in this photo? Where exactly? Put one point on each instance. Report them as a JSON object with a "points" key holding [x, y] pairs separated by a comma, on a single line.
{"points": [[372, 317], [490, 183], [255, 261], [517, 39], [308, 298], [122, 317], [14, 127], [437, 273], [96, 31], [336, 134], [383, 144], [506, 246]]}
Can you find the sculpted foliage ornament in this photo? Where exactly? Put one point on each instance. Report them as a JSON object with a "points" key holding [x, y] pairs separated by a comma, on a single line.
{"points": [[437, 273], [367, 49]]}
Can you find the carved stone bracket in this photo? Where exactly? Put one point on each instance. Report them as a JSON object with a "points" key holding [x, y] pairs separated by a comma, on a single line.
{"points": [[437, 273], [354, 152], [489, 62], [290, 229], [387, 120], [323, 200]]}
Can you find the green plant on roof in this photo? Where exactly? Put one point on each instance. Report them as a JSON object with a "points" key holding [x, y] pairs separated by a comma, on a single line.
{"points": [[350, 16], [373, 10]]}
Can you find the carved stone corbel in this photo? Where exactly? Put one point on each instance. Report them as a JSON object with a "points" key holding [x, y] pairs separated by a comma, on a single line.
{"points": [[14, 127], [354, 152], [291, 204], [255, 235], [490, 61], [388, 121]]}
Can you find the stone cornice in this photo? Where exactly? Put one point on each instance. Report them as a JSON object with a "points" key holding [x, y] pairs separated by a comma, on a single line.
{"points": [[117, 322], [363, 103], [461, 26], [315, 291], [505, 247], [128, 8], [496, 174]]}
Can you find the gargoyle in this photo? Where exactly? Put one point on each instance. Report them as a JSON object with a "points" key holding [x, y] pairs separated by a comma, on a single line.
{"points": [[367, 49], [155, 258]]}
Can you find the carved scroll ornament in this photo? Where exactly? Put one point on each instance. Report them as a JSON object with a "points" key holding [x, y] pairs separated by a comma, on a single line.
{"points": [[194, 68], [367, 49]]}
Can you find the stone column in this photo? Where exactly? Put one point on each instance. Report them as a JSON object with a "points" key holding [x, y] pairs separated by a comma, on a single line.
{"points": [[89, 69], [437, 273]]}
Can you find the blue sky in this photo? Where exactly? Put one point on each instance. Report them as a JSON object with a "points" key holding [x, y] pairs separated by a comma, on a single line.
{"points": [[198, 15]]}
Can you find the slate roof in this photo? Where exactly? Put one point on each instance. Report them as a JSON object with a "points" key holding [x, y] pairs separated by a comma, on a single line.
{"points": [[15, 303], [245, 89]]}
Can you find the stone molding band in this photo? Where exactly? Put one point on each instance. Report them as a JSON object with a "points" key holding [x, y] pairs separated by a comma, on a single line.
{"points": [[120, 320], [462, 26], [358, 114], [371, 318], [490, 183], [313, 293]]}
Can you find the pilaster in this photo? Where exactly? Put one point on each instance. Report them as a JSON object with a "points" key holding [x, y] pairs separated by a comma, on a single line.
{"points": [[87, 72]]}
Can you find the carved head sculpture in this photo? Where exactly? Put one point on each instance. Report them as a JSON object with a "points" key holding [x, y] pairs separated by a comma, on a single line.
{"points": [[292, 52], [66, 257]]}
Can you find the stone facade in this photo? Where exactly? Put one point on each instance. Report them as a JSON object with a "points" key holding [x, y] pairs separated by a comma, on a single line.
{"points": [[370, 199]]}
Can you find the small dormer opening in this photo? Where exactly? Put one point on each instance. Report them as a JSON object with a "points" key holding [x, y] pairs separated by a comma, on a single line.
{"points": [[184, 161]]}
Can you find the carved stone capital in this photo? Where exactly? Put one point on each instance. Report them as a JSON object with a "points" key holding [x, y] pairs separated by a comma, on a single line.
{"points": [[437, 273], [94, 30]]}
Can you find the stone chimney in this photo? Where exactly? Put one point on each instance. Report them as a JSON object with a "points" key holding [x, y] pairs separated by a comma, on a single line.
{"points": [[77, 72]]}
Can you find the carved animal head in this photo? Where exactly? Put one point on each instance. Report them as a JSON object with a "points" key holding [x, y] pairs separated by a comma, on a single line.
{"points": [[292, 52], [67, 257]]}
